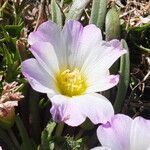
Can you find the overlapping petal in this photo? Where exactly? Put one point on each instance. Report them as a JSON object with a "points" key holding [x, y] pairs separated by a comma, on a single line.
{"points": [[38, 78], [46, 56], [50, 32], [74, 111], [64, 110], [46, 32], [98, 63], [79, 41], [116, 133], [124, 133], [140, 134]]}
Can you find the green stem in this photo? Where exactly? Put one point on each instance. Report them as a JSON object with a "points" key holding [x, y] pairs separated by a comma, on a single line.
{"points": [[59, 129], [124, 79], [79, 134], [14, 139]]}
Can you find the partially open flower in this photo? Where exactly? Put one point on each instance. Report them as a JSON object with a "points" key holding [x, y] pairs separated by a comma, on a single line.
{"points": [[8, 100], [71, 65], [124, 133]]}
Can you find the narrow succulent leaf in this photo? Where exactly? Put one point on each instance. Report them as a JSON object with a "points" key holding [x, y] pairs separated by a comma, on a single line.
{"points": [[124, 79], [76, 9], [26, 144], [5, 138], [56, 13], [98, 13], [112, 24]]}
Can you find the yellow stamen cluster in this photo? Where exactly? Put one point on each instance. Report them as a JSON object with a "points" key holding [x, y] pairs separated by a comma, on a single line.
{"points": [[71, 83]]}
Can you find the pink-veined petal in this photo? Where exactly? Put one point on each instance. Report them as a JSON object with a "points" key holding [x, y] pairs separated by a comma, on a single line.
{"points": [[38, 78], [79, 41], [74, 110], [46, 32], [46, 56], [105, 82], [116, 133], [140, 134], [101, 59], [50, 32], [95, 106], [63, 110]]}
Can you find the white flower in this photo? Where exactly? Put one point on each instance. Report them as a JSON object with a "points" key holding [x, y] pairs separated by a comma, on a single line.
{"points": [[71, 65]]}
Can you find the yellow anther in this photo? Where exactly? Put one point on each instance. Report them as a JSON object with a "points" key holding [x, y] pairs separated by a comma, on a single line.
{"points": [[71, 83]]}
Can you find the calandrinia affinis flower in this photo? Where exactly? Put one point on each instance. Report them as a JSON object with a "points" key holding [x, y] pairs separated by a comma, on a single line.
{"points": [[124, 133], [8, 100], [70, 65]]}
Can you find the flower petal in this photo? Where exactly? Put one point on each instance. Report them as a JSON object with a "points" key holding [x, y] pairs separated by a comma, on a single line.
{"points": [[74, 110], [63, 110], [101, 59], [104, 83], [94, 106], [50, 32], [46, 56], [46, 32], [100, 148], [79, 41], [116, 134], [140, 134], [38, 78]]}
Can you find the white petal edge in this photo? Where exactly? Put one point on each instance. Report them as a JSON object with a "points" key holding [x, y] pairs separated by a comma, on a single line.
{"points": [[94, 106], [100, 148], [77, 108], [140, 134], [79, 41], [50, 32], [46, 32], [101, 59]]}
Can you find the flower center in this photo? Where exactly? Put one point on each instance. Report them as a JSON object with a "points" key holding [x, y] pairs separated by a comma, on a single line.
{"points": [[71, 83]]}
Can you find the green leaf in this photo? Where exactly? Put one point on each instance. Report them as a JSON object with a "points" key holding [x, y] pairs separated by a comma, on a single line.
{"points": [[46, 137], [112, 24], [138, 39], [67, 1], [72, 144], [56, 12], [124, 79], [98, 13], [14, 30], [76, 9]]}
